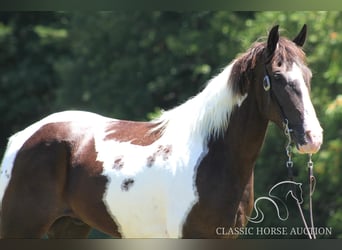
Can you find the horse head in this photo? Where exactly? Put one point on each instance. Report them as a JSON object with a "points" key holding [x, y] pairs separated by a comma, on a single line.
{"points": [[282, 85]]}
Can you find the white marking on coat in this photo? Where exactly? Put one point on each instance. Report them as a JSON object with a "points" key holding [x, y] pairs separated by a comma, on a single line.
{"points": [[312, 127]]}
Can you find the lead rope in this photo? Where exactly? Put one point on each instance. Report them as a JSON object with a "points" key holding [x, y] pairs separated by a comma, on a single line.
{"points": [[312, 181]]}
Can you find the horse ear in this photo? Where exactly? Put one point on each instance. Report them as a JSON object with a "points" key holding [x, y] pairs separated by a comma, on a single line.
{"points": [[300, 38], [272, 41]]}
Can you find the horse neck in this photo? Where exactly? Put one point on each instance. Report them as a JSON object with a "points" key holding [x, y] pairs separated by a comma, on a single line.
{"points": [[233, 156], [244, 137]]}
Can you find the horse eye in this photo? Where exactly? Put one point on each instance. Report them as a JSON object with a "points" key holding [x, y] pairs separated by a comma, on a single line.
{"points": [[279, 64], [293, 86]]}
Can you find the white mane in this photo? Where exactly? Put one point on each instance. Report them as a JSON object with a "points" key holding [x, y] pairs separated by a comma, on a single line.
{"points": [[205, 115]]}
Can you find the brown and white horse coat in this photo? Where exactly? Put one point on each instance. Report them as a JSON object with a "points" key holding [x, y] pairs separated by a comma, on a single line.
{"points": [[181, 175]]}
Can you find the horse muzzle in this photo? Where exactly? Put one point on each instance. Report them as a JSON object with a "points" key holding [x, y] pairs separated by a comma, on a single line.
{"points": [[313, 140]]}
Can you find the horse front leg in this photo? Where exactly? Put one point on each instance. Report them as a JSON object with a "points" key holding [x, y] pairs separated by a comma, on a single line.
{"points": [[246, 204]]}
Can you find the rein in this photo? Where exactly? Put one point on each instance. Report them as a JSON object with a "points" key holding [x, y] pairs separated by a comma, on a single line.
{"points": [[312, 183]]}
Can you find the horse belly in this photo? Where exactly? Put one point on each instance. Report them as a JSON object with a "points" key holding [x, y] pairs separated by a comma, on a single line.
{"points": [[155, 204]]}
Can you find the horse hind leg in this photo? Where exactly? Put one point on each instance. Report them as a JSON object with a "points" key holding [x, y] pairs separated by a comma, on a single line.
{"points": [[25, 231], [21, 221], [34, 196], [68, 228]]}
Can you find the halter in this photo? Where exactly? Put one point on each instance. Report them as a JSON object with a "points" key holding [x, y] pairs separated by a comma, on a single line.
{"points": [[289, 164], [268, 87]]}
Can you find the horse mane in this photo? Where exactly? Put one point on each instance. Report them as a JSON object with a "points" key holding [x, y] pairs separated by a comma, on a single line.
{"points": [[205, 115], [286, 52]]}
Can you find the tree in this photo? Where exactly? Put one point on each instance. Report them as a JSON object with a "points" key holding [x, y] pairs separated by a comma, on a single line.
{"points": [[125, 64], [30, 43]]}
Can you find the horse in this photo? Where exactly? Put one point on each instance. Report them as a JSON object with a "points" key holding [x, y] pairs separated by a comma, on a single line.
{"points": [[181, 175]]}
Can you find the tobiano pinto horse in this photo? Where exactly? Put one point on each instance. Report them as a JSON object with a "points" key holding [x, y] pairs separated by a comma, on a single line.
{"points": [[182, 175]]}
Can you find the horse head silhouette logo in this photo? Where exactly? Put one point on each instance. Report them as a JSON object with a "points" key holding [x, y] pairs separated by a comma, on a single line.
{"points": [[278, 195]]}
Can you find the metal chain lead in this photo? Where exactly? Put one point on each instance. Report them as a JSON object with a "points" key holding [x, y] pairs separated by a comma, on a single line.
{"points": [[289, 163], [312, 180]]}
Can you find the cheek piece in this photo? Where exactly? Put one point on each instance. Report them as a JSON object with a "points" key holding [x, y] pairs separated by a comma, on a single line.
{"points": [[267, 83]]}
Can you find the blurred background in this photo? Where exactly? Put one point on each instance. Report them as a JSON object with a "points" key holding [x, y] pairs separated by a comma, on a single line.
{"points": [[130, 65]]}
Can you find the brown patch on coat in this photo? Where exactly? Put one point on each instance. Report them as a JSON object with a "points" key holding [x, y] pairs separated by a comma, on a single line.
{"points": [[150, 160], [118, 163], [162, 151], [166, 152], [138, 133], [127, 184]]}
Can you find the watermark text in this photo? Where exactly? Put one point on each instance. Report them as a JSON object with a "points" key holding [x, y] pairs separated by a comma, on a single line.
{"points": [[272, 231]]}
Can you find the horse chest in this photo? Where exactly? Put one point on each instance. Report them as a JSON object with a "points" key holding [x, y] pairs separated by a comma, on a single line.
{"points": [[150, 189]]}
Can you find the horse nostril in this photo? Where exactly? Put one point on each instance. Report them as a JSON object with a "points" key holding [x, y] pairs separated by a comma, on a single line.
{"points": [[313, 138], [313, 142], [308, 136]]}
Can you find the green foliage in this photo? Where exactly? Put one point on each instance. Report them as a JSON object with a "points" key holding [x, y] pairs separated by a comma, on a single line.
{"points": [[27, 76], [132, 65], [329, 169], [125, 64]]}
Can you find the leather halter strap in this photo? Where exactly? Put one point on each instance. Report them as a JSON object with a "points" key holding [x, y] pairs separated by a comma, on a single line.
{"points": [[267, 80]]}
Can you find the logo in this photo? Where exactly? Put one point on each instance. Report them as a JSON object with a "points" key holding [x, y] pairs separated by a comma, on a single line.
{"points": [[278, 195]]}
